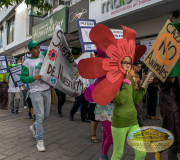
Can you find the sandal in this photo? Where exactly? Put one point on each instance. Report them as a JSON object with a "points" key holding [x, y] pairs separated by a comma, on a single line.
{"points": [[94, 139], [155, 118]]}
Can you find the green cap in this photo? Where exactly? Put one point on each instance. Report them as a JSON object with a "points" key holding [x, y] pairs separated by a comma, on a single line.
{"points": [[32, 44]]}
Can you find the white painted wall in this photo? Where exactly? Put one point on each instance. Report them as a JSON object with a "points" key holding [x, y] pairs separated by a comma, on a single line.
{"points": [[20, 33], [152, 26]]}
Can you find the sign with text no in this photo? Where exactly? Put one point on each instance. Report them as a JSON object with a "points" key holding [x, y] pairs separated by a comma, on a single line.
{"points": [[164, 52]]}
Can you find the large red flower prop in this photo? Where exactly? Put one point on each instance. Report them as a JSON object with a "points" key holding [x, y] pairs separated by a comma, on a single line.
{"points": [[52, 55], [105, 91]]}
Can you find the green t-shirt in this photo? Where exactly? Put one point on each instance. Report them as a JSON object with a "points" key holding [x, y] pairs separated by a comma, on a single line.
{"points": [[124, 113]]}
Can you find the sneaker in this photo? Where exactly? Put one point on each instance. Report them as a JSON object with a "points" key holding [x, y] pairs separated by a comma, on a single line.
{"points": [[12, 110], [60, 115], [31, 128], [40, 146], [16, 111], [30, 116], [34, 117], [103, 157], [25, 107]]}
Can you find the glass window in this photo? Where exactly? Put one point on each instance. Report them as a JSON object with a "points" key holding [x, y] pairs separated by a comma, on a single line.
{"points": [[11, 24], [1, 37]]}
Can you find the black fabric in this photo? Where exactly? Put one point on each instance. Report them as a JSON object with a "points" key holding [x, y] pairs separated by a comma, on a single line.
{"points": [[61, 99], [78, 101]]}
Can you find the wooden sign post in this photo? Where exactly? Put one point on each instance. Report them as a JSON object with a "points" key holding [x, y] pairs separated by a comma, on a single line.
{"points": [[164, 52]]}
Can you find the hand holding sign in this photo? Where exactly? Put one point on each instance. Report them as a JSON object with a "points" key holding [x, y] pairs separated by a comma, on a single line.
{"points": [[37, 77]]}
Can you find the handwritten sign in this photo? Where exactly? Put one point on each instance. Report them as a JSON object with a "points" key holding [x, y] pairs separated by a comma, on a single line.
{"points": [[164, 52], [15, 73], [59, 67], [84, 27], [3, 64]]}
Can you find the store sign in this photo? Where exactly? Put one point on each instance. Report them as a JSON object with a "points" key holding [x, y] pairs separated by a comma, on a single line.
{"points": [[107, 9], [164, 53], [77, 11], [46, 28]]}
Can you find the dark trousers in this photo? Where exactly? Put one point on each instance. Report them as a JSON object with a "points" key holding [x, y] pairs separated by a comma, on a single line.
{"points": [[152, 100], [78, 100], [61, 99], [139, 114]]}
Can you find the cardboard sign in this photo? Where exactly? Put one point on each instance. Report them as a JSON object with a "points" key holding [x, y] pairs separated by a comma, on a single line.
{"points": [[164, 53], [15, 73], [59, 67], [84, 27], [3, 64]]}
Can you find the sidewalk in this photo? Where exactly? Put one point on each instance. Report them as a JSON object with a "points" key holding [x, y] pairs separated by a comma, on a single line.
{"points": [[64, 139]]}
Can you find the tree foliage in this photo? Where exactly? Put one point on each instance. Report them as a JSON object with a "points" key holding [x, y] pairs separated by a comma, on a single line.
{"points": [[42, 5]]}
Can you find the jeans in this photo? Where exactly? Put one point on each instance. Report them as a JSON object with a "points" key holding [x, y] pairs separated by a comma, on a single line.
{"points": [[14, 100], [41, 101]]}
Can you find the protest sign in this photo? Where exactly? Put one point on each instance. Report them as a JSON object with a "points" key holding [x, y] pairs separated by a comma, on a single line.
{"points": [[84, 27], [118, 33], [15, 73], [148, 45], [164, 52], [3, 64], [59, 67]]}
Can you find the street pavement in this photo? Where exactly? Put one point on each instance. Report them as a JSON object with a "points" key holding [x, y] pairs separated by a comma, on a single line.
{"points": [[64, 139]]}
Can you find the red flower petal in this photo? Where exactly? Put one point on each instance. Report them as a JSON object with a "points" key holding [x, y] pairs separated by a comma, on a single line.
{"points": [[105, 91], [139, 51], [113, 75], [113, 52], [129, 33], [102, 37], [123, 47], [91, 68], [110, 64]]}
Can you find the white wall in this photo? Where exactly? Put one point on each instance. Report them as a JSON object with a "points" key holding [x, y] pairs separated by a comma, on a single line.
{"points": [[20, 32], [152, 26]]}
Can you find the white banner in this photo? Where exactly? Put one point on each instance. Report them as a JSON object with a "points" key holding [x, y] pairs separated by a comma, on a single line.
{"points": [[59, 67]]}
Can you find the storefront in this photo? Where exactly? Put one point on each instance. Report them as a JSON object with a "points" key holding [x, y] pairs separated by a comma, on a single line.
{"points": [[77, 11], [147, 17]]}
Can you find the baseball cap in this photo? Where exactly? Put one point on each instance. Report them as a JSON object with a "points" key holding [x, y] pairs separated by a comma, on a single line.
{"points": [[32, 44]]}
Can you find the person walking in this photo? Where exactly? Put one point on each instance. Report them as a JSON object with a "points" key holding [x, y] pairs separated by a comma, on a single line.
{"points": [[39, 91]]}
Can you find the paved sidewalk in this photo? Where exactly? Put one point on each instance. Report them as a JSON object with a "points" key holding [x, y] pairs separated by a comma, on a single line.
{"points": [[64, 139]]}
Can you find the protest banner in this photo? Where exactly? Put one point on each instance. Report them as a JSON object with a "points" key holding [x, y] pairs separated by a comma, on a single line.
{"points": [[164, 52], [3, 64], [59, 67], [15, 73]]}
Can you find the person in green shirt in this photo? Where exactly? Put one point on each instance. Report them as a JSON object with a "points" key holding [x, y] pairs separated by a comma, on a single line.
{"points": [[124, 119]]}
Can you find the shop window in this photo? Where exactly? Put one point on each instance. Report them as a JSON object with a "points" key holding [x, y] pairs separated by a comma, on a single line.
{"points": [[1, 37], [11, 27]]}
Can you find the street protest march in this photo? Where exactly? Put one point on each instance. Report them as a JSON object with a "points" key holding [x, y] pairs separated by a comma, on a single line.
{"points": [[60, 68]]}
